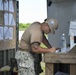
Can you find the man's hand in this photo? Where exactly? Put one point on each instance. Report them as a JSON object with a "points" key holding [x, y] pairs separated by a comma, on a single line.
{"points": [[58, 48], [53, 49]]}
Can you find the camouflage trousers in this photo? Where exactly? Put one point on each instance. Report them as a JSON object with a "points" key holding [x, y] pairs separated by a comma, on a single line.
{"points": [[25, 63]]}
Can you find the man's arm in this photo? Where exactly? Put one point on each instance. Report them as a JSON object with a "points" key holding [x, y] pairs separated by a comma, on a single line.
{"points": [[46, 42], [37, 49]]}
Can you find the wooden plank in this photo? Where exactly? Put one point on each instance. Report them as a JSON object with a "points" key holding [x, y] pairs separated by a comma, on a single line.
{"points": [[68, 61], [65, 58], [49, 69], [60, 58], [73, 50], [72, 69], [60, 55]]}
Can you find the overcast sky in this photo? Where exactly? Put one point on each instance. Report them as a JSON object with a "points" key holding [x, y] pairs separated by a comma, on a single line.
{"points": [[32, 10]]}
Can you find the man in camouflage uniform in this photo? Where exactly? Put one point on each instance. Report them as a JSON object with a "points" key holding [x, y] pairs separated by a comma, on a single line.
{"points": [[29, 53]]}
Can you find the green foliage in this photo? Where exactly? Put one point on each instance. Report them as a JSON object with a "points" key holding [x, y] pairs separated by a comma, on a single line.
{"points": [[42, 45], [23, 26], [43, 68]]}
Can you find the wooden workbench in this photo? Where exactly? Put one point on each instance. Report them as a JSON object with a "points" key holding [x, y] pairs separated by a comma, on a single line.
{"points": [[65, 58]]}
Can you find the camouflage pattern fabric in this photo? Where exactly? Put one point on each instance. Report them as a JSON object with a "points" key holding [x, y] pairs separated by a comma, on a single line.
{"points": [[25, 63]]}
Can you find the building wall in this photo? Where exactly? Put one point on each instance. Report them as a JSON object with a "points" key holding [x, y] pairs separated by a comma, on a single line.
{"points": [[64, 11]]}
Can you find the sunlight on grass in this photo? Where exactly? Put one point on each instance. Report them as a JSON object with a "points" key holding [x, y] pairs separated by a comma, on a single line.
{"points": [[43, 63], [43, 67], [42, 45]]}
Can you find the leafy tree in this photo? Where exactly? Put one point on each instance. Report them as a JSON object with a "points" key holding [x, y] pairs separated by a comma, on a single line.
{"points": [[23, 26]]}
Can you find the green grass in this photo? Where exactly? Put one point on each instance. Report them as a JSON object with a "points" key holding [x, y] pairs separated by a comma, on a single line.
{"points": [[23, 26], [42, 63], [42, 45], [22, 29], [43, 67]]}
